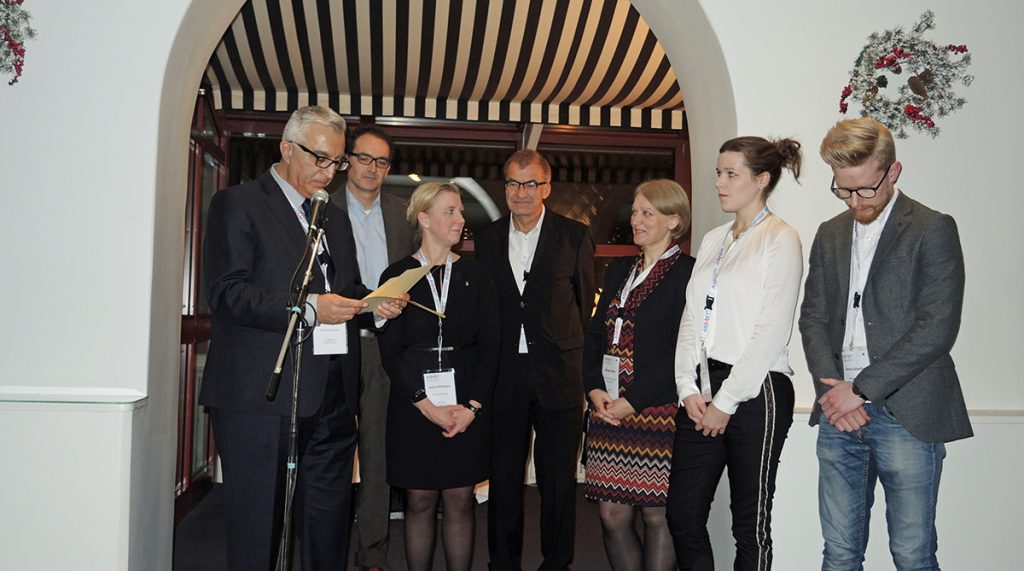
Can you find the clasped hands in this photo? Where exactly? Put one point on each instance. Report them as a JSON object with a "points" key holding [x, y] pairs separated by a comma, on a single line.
{"points": [[332, 308], [453, 419], [608, 409], [707, 419], [842, 407]]}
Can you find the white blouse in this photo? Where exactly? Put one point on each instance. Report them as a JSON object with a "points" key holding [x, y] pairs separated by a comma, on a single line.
{"points": [[752, 320]]}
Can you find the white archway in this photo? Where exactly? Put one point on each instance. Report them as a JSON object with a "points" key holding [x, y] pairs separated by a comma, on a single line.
{"points": [[683, 31]]}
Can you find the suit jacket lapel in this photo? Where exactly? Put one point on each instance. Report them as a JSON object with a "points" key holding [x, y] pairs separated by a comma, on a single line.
{"points": [[282, 210], [844, 248], [392, 218], [548, 235], [506, 267], [898, 220]]}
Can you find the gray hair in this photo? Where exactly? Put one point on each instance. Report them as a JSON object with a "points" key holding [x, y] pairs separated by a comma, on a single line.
{"points": [[312, 115]]}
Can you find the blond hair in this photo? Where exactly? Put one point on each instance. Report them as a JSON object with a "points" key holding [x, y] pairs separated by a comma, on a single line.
{"points": [[423, 197], [670, 199], [853, 142]]}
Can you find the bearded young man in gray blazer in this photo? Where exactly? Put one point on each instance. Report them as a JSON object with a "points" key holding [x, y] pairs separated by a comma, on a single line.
{"points": [[881, 312]]}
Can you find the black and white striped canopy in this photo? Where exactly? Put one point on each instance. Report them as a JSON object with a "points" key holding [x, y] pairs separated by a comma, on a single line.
{"points": [[567, 62]]}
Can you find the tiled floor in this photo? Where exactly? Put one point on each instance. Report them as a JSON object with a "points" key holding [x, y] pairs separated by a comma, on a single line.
{"points": [[199, 539]]}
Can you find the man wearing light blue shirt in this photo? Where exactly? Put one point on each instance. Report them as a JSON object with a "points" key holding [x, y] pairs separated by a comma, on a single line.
{"points": [[382, 237]]}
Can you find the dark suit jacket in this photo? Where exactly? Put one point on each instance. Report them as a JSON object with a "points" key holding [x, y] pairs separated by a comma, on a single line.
{"points": [[253, 243], [554, 308], [398, 233], [654, 341], [911, 302]]}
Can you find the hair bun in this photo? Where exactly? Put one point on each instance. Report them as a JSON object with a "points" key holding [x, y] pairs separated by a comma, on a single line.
{"points": [[791, 155]]}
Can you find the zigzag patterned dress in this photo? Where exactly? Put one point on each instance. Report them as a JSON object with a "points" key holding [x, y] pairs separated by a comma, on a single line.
{"points": [[630, 463]]}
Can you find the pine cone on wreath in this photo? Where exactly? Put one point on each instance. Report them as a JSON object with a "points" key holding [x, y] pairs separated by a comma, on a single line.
{"points": [[917, 86]]}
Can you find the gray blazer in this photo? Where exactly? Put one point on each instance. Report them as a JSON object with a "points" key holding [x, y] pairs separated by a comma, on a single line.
{"points": [[397, 231], [911, 302]]}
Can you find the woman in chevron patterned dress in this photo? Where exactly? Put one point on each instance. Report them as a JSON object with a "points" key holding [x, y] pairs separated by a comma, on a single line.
{"points": [[629, 376]]}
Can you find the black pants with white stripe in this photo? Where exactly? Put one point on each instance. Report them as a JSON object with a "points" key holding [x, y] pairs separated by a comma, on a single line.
{"points": [[750, 448]]}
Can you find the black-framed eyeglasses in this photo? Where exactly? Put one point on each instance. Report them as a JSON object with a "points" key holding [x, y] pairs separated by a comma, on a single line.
{"points": [[863, 192], [323, 162], [513, 185], [365, 160]]}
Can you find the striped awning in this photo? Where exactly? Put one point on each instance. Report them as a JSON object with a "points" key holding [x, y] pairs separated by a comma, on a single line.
{"points": [[566, 62]]}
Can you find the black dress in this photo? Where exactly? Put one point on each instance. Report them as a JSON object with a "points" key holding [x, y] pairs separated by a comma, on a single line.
{"points": [[418, 454]]}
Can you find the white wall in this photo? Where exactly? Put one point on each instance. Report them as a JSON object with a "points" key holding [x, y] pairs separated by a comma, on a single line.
{"points": [[786, 67], [773, 69], [93, 162], [92, 159]]}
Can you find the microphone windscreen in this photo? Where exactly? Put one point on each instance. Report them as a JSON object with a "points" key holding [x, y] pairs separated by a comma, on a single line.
{"points": [[320, 196]]}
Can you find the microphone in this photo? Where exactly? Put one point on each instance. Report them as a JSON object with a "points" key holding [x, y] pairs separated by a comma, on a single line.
{"points": [[319, 200]]}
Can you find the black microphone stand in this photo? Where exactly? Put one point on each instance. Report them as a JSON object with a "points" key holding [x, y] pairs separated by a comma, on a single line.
{"points": [[296, 324]]}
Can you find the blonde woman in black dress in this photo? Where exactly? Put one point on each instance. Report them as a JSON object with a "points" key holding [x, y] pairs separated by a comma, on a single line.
{"points": [[442, 373]]}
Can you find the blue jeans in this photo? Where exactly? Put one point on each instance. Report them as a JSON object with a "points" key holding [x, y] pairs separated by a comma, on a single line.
{"points": [[849, 463]]}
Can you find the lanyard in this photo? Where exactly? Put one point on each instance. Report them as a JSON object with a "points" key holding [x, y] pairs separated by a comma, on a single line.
{"points": [[637, 277], [713, 289], [440, 301]]}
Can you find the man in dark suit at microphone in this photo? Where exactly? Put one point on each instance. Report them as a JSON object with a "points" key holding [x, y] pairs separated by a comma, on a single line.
{"points": [[256, 235]]}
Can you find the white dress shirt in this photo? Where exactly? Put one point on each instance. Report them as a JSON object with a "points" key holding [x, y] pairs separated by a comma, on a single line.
{"points": [[521, 248], [754, 309], [862, 252]]}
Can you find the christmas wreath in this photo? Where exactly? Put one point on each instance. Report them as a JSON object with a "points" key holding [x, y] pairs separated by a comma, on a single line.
{"points": [[14, 30], [906, 81]]}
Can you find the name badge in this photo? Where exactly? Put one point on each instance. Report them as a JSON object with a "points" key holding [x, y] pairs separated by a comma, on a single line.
{"points": [[855, 360], [330, 339], [610, 372], [522, 340], [440, 386]]}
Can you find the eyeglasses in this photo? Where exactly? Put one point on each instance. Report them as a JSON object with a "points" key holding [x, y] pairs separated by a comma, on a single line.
{"points": [[323, 162], [863, 192], [513, 185], [365, 159]]}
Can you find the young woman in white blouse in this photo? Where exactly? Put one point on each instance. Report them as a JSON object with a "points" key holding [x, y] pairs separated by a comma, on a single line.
{"points": [[731, 359]]}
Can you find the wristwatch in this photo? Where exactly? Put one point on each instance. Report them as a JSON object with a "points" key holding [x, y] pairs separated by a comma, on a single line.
{"points": [[477, 411], [418, 396]]}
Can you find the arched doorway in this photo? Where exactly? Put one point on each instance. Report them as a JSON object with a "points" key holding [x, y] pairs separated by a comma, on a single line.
{"points": [[205, 21]]}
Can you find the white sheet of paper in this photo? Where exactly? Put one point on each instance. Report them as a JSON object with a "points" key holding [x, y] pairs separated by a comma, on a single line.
{"points": [[855, 360], [440, 387], [610, 372], [522, 340], [330, 339]]}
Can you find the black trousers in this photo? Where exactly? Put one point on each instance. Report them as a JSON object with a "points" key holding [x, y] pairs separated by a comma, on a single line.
{"points": [[253, 450], [750, 448], [555, 451]]}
